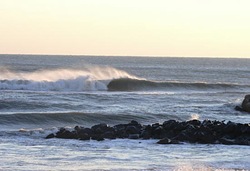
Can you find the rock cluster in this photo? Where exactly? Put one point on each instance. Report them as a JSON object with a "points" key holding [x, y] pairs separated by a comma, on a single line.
{"points": [[169, 132]]}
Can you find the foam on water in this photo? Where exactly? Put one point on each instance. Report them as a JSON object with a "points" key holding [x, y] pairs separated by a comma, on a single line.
{"points": [[194, 116], [90, 79]]}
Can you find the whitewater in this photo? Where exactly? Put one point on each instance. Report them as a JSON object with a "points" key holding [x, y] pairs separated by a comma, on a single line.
{"points": [[39, 94]]}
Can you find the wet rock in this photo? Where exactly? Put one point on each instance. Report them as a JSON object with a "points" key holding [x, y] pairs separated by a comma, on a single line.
{"points": [[167, 141], [145, 134], [246, 103], [157, 131], [230, 126], [194, 122], [180, 127], [66, 134], [133, 136], [171, 131], [132, 130], [97, 138], [120, 131], [184, 138], [170, 124], [238, 108], [100, 128], [84, 136], [50, 136], [205, 137], [245, 129], [133, 122], [85, 131], [242, 141], [109, 135], [227, 141], [77, 128], [169, 134]]}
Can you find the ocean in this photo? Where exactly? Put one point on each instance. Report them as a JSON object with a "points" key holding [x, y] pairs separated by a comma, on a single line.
{"points": [[39, 94]]}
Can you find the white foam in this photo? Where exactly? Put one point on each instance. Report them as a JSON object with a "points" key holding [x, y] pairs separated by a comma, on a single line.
{"points": [[90, 79], [194, 116]]}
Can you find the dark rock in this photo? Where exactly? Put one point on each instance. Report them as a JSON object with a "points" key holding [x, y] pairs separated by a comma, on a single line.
{"points": [[132, 129], [242, 141], [156, 125], [227, 141], [120, 131], [194, 122], [97, 138], [246, 103], [157, 132], [193, 131], [229, 128], [133, 136], [66, 134], [183, 137], [109, 135], [77, 128], [100, 128], [85, 131], [145, 134], [180, 126], [207, 123], [238, 108], [169, 134], [170, 124], [205, 137], [167, 141], [245, 129], [84, 136], [133, 122], [50, 136]]}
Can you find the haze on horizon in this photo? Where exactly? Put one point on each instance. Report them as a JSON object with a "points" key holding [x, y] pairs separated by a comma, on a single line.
{"points": [[195, 28]]}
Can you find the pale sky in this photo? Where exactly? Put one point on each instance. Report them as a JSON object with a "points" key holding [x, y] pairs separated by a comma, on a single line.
{"points": [[195, 28]]}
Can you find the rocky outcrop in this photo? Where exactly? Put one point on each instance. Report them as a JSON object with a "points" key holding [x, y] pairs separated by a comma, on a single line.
{"points": [[246, 103], [245, 106], [169, 132]]}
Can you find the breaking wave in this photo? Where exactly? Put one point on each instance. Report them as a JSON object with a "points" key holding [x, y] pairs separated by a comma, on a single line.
{"points": [[96, 79], [91, 79]]}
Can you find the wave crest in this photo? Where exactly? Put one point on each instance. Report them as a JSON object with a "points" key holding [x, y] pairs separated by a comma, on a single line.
{"points": [[128, 84], [90, 79]]}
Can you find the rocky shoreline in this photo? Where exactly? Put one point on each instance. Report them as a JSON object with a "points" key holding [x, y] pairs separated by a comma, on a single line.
{"points": [[168, 132]]}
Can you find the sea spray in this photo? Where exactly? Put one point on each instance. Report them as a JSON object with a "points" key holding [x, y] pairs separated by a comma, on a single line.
{"points": [[194, 116], [89, 79]]}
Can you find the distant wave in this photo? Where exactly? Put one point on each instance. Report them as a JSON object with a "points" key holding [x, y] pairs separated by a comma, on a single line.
{"points": [[96, 79], [90, 79], [81, 83], [127, 84]]}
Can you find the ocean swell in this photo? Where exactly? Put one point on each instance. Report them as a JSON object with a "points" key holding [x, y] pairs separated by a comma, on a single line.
{"points": [[34, 120], [128, 84]]}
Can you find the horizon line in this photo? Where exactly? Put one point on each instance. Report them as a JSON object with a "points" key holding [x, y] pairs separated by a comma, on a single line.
{"points": [[95, 55]]}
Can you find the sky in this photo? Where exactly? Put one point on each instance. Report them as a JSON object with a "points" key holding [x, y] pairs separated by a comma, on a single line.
{"points": [[181, 28]]}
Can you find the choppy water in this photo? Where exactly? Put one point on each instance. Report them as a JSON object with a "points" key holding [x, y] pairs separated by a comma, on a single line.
{"points": [[38, 94]]}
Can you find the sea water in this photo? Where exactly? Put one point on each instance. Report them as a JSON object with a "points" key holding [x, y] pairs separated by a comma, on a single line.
{"points": [[40, 94]]}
